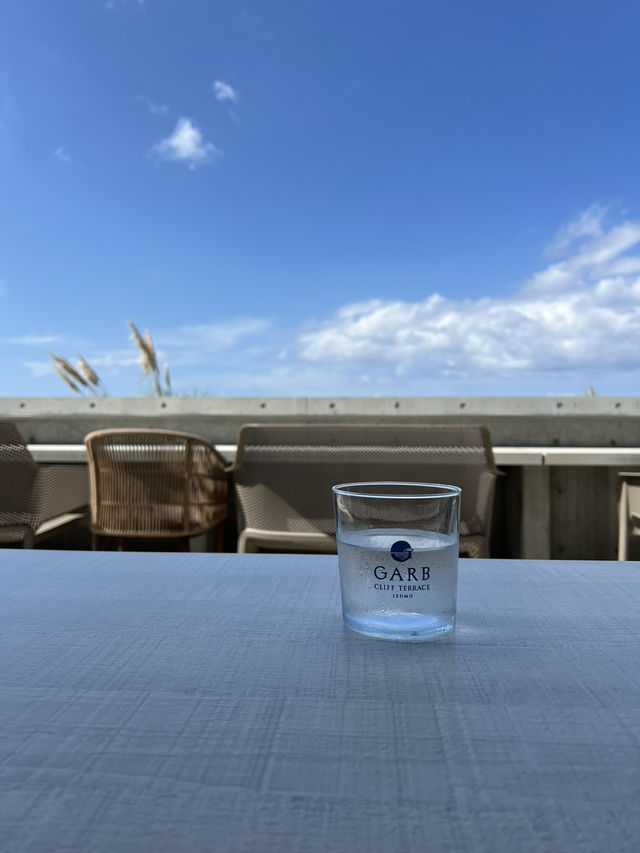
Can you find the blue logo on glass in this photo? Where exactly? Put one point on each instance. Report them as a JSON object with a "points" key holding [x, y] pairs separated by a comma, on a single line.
{"points": [[401, 551]]}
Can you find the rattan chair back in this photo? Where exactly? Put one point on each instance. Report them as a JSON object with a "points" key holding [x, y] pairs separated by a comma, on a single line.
{"points": [[283, 476], [151, 483]]}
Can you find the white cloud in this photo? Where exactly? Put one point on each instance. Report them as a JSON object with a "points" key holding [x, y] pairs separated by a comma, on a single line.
{"points": [[587, 224], [265, 379], [184, 347], [115, 358], [591, 261], [225, 92], [62, 154], [152, 107], [573, 324], [38, 369], [192, 344], [112, 5], [102, 361], [252, 20], [36, 340], [187, 145], [580, 314]]}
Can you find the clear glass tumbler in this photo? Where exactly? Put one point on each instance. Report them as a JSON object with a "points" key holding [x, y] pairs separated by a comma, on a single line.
{"points": [[398, 558]]}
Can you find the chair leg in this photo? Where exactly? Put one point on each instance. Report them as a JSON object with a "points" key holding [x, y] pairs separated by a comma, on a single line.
{"points": [[623, 522], [245, 546], [219, 538]]}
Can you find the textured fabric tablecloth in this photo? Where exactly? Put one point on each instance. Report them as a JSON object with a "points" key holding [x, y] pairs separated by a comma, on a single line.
{"points": [[195, 702]]}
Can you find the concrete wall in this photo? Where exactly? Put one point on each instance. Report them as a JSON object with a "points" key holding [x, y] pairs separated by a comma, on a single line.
{"points": [[517, 421]]}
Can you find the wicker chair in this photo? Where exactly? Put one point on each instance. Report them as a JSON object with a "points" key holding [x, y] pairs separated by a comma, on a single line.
{"points": [[628, 513], [283, 476], [154, 484], [36, 501]]}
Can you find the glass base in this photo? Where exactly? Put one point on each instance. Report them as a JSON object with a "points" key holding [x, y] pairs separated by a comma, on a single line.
{"points": [[407, 627]]}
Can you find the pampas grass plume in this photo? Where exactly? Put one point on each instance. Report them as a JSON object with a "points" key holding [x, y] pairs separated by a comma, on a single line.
{"points": [[153, 361], [60, 371], [65, 365], [88, 371], [137, 338]]}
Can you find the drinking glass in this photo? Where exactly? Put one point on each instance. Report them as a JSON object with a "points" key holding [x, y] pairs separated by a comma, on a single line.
{"points": [[398, 558]]}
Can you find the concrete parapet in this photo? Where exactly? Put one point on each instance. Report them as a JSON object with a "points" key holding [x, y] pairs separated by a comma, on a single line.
{"points": [[512, 421]]}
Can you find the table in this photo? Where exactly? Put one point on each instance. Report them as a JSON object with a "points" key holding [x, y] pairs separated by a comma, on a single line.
{"points": [[215, 702]]}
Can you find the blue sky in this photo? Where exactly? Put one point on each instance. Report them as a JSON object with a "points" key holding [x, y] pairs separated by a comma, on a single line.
{"points": [[322, 198]]}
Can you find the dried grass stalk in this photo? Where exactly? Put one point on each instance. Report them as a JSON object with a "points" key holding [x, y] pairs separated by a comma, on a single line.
{"points": [[153, 361], [137, 338], [65, 365], [88, 371], [61, 373]]}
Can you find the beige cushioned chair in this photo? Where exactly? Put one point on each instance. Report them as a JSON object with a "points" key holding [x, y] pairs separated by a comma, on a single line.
{"points": [[154, 484], [36, 501], [283, 476], [628, 514]]}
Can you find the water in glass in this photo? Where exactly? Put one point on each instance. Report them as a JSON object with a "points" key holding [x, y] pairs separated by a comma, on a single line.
{"points": [[398, 584]]}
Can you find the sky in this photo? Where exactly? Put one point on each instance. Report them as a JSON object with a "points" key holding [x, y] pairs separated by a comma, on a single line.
{"points": [[322, 198]]}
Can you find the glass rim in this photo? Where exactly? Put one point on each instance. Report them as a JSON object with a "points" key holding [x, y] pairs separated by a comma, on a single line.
{"points": [[436, 490]]}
